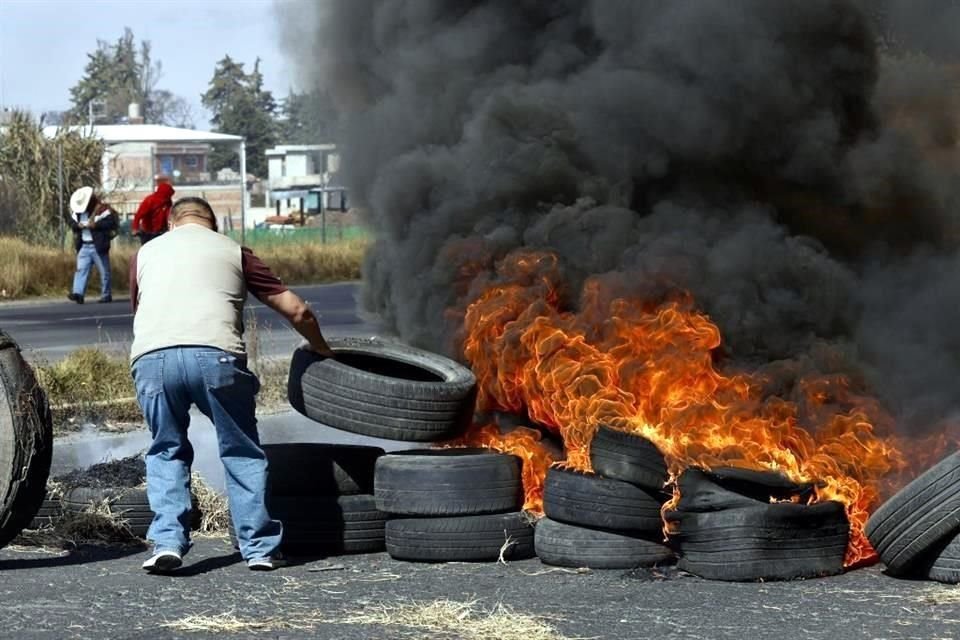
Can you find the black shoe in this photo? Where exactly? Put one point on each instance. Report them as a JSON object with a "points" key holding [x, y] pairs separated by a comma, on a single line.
{"points": [[106, 299], [75, 297]]}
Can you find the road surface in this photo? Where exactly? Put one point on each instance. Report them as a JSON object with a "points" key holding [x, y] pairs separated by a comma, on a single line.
{"points": [[49, 330]]}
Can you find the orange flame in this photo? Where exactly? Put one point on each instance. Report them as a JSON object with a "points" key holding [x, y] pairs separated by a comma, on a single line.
{"points": [[648, 367]]}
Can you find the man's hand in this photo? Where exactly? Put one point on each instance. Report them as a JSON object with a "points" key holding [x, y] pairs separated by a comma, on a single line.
{"points": [[295, 310]]}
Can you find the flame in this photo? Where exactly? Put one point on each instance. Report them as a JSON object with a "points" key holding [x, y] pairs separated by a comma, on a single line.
{"points": [[650, 367]]}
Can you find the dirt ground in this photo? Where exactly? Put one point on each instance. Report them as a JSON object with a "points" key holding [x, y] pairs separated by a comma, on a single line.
{"points": [[102, 593]]}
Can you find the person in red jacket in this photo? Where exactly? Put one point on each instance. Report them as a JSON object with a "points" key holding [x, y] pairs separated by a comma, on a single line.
{"points": [[151, 218]]}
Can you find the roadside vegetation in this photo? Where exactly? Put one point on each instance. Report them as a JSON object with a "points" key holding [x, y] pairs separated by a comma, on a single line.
{"points": [[31, 270]]}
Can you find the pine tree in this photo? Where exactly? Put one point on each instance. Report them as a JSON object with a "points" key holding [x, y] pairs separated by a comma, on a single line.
{"points": [[241, 106], [116, 75], [307, 118]]}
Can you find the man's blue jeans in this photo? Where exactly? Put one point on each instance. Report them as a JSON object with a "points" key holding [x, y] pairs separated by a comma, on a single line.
{"points": [[86, 258], [168, 382]]}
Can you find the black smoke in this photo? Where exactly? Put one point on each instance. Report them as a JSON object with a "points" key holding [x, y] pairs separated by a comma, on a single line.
{"points": [[776, 159]]}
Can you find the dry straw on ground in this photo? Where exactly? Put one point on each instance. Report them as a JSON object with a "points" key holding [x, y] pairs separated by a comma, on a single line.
{"points": [[447, 618], [231, 623], [466, 620]]}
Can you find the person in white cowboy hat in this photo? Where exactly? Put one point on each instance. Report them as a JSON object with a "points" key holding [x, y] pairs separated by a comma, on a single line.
{"points": [[94, 225]]}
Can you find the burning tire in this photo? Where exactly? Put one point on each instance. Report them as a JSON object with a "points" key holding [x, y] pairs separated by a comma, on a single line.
{"points": [[781, 541], [726, 487], [383, 390], [918, 517], [565, 545], [463, 539], [727, 528], [594, 501], [26, 441], [446, 482], [324, 525], [311, 469], [628, 457]]}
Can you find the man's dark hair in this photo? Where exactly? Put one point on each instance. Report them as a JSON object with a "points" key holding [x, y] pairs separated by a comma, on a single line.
{"points": [[192, 206]]}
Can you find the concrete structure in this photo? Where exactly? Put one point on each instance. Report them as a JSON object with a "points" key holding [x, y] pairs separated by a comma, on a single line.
{"points": [[303, 177], [138, 155]]}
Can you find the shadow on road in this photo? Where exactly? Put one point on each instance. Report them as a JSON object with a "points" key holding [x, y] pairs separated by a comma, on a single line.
{"points": [[206, 565], [80, 555]]}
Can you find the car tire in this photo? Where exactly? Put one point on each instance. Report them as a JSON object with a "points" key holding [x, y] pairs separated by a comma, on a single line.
{"points": [[480, 538], [589, 500], [26, 441], [565, 545], [383, 390], [628, 457], [313, 469]]}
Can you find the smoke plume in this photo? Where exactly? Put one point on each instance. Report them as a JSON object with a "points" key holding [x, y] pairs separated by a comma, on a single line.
{"points": [[777, 160]]}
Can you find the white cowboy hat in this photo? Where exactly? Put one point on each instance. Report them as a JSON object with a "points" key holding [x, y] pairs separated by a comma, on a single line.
{"points": [[80, 199]]}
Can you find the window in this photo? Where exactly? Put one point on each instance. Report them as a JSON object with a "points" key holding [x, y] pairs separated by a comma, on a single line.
{"points": [[191, 162]]}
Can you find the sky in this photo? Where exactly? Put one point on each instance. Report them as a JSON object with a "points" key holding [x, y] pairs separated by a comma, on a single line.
{"points": [[44, 45]]}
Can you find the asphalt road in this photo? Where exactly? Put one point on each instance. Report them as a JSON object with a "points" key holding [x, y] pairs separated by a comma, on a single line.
{"points": [[48, 330], [102, 593]]}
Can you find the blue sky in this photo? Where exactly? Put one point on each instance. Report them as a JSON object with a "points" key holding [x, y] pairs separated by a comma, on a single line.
{"points": [[43, 44]]}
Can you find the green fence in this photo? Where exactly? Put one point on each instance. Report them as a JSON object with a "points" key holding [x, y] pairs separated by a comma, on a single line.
{"points": [[314, 235]]}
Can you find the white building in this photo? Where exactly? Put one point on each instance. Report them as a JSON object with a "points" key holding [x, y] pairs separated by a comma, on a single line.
{"points": [[303, 177]]}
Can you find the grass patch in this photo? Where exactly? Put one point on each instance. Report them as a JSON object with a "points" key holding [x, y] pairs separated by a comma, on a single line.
{"points": [[28, 270], [89, 385]]}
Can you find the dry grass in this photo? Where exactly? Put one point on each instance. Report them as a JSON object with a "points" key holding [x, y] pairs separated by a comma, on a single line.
{"points": [[90, 384], [28, 270], [213, 506], [97, 525], [231, 623], [465, 620]]}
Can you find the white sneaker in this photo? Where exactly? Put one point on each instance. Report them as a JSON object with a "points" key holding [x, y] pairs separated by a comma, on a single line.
{"points": [[267, 563], [163, 562]]}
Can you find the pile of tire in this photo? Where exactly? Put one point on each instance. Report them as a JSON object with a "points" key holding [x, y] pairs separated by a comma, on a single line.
{"points": [[26, 441], [741, 525], [450, 505], [609, 519], [442, 504], [917, 531], [323, 495]]}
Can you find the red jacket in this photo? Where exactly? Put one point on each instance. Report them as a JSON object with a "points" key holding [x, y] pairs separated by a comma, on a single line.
{"points": [[151, 216]]}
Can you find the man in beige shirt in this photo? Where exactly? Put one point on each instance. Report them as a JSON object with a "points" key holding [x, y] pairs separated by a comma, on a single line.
{"points": [[188, 289]]}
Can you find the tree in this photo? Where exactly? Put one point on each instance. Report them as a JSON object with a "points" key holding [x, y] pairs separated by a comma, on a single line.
{"points": [[307, 118], [171, 110], [120, 73], [241, 106]]}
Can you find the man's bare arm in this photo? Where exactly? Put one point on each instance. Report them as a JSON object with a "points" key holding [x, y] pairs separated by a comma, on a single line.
{"points": [[298, 313]]}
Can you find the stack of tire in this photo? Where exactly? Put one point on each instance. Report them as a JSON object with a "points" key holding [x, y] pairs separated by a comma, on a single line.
{"points": [[444, 504], [742, 525], [323, 495], [917, 531], [609, 519], [450, 505]]}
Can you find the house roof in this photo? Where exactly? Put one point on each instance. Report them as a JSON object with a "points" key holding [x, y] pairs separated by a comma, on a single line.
{"points": [[117, 133]]}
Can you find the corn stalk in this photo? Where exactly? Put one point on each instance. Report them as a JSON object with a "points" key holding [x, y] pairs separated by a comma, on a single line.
{"points": [[29, 195]]}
